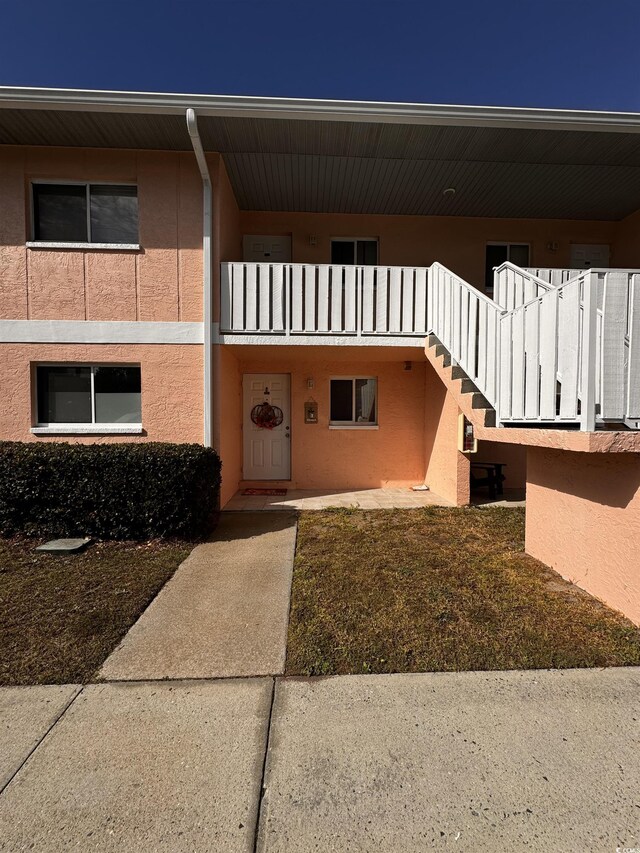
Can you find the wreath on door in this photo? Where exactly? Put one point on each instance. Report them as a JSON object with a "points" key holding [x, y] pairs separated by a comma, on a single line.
{"points": [[266, 416]]}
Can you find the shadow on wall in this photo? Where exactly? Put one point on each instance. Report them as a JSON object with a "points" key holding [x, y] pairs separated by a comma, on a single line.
{"points": [[512, 456], [610, 479]]}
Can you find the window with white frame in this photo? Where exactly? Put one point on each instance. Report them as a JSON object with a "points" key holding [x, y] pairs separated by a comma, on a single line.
{"points": [[85, 213], [354, 401], [354, 250], [84, 395]]}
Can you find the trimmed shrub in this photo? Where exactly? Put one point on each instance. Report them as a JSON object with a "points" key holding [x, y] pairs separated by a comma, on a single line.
{"points": [[110, 491]]}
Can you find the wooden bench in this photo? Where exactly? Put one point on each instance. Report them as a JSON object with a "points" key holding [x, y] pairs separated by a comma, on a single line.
{"points": [[493, 477]]}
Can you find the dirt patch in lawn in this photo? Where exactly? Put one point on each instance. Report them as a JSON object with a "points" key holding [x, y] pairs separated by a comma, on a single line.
{"points": [[439, 590], [60, 616]]}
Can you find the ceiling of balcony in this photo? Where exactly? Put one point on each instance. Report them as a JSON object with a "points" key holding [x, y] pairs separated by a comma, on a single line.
{"points": [[376, 166]]}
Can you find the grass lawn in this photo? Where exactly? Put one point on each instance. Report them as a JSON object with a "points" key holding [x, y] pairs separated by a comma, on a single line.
{"points": [[438, 589], [61, 616]]}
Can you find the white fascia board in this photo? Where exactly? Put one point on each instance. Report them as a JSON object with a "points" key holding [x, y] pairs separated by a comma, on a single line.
{"points": [[329, 340], [316, 110], [98, 332]]}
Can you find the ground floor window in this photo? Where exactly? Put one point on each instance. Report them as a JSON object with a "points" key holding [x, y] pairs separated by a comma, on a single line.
{"points": [[87, 394], [354, 401]]}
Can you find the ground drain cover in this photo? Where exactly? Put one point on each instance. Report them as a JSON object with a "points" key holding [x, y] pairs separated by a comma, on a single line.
{"points": [[64, 546]]}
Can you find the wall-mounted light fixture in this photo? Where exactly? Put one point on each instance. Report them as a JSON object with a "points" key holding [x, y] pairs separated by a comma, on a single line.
{"points": [[313, 240], [552, 246], [310, 383], [407, 365]]}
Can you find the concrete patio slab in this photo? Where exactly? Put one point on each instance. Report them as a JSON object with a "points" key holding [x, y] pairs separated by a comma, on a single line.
{"points": [[26, 715], [224, 612], [145, 767], [318, 499], [537, 761]]}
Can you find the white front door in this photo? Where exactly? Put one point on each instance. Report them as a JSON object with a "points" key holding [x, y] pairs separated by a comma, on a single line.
{"points": [[586, 255], [266, 249], [267, 452]]}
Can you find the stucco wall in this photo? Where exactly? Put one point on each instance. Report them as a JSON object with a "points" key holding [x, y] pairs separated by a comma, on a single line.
{"points": [[583, 520], [626, 246], [161, 281], [457, 242], [230, 406], [392, 455], [171, 388], [513, 456], [447, 470]]}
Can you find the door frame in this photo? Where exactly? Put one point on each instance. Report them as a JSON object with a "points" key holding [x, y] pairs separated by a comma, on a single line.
{"points": [[245, 416]]}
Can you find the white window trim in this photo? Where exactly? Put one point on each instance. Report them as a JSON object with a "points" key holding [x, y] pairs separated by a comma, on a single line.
{"points": [[89, 428], [355, 240], [113, 247], [353, 424], [61, 244]]}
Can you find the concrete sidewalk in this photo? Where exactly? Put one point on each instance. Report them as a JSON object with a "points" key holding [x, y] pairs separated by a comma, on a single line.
{"points": [[488, 761], [225, 611]]}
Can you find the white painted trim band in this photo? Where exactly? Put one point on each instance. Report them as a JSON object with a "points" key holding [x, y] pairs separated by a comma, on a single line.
{"points": [[258, 339], [102, 247], [98, 332], [88, 429]]}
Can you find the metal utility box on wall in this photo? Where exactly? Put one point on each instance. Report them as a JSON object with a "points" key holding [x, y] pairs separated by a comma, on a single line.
{"points": [[311, 412], [467, 442]]}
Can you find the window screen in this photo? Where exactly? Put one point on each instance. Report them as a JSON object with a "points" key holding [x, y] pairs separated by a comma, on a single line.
{"points": [[60, 213], [88, 395], [85, 213]]}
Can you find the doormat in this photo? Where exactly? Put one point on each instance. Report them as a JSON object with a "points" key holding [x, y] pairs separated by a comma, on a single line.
{"points": [[264, 492]]}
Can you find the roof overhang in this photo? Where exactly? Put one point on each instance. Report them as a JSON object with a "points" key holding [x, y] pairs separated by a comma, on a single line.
{"points": [[363, 156]]}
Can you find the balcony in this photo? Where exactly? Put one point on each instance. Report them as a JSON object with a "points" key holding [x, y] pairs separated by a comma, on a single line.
{"points": [[323, 304]]}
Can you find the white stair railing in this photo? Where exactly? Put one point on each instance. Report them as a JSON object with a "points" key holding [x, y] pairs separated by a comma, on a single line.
{"points": [[513, 286], [549, 357], [466, 322], [553, 275]]}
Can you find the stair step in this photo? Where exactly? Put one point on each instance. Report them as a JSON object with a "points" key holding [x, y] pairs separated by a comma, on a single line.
{"points": [[457, 372], [479, 401]]}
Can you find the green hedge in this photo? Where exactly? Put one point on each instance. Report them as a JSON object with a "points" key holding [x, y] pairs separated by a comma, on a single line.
{"points": [[109, 491]]}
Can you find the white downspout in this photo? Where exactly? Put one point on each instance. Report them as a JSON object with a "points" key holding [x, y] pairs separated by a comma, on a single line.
{"points": [[207, 298]]}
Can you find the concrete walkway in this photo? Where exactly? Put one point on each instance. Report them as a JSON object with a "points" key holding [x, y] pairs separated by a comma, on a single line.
{"points": [[537, 761], [223, 613], [310, 499]]}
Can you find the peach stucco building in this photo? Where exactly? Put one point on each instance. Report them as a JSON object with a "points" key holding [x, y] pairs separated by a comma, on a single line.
{"points": [[413, 290]]}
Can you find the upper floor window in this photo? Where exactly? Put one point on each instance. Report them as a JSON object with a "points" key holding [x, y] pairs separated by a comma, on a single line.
{"points": [[351, 250], [85, 213]]}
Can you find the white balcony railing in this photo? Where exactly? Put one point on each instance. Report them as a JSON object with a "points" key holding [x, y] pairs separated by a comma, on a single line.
{"points": [[323, 300]]}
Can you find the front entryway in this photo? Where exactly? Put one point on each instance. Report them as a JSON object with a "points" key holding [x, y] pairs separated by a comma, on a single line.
{"points": [[266, 452]]}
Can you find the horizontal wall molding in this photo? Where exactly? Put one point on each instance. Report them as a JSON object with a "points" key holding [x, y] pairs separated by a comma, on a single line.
{"points": [[98, 332], [329, 340]]}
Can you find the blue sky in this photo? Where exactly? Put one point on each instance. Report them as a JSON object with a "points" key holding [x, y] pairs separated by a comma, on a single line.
{"points": [[554, 53]]}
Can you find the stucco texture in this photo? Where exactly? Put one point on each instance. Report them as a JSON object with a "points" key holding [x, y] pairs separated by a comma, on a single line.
{"points": [[171, 388], [446, 469], [160, 281], [457, 242], [391, 456], [583, 520]]}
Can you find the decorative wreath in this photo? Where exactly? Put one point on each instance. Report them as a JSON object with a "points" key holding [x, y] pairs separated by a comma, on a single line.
{"points": [[266, 416]]}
